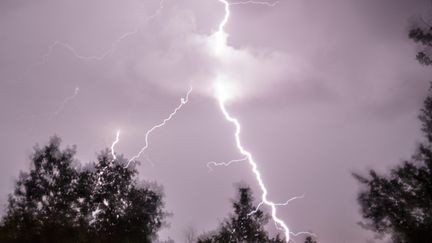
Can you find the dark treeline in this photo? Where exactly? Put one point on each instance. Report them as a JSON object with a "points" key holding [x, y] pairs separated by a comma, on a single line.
{"points": [[58, 200]]}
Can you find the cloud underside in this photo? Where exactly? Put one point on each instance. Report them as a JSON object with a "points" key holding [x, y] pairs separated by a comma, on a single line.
{"points": [[175, 57]]}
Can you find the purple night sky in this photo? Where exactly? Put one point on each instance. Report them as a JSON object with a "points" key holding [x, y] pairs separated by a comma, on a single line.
{"points": [[322, 88]]}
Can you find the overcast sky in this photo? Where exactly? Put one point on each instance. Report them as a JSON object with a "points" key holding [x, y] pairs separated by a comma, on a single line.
{"points": [[323, 88]]}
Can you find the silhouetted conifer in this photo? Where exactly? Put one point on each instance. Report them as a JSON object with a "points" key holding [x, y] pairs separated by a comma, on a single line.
{"points": [[245, 225]]}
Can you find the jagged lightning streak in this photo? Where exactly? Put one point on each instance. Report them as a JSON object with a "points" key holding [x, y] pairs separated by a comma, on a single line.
{"points": [[222, 95], [183, 101], [114, 144], [281, 224]]}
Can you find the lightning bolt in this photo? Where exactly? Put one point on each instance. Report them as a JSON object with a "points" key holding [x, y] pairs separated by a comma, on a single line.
{"points": [[113, 145], [183, 101], [222, 95], [281, 224]]}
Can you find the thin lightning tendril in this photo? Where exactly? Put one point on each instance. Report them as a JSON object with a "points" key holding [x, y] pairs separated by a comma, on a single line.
{"points": [[76, 54], [266, 3], [183, 101], [52, 114], [214, 163], [65, 101], [113, 145], [277, 204], [110, 51]]}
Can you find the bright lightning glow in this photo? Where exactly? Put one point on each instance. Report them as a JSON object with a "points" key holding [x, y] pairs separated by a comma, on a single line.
{"points": [[113, 145], [183, 101]]}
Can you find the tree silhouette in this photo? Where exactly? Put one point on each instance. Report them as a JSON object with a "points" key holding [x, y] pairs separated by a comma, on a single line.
{"points": [[309, 239], [422, 34], [400, 204], [245, 225], [43, 205], [57, 201], [122, 211]]}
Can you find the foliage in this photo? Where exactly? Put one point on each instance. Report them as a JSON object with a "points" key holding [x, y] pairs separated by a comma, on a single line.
{"points": [[245, 225], [400, 204], [423, 36], [309, 239], [43, 206], [59, 202]]}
